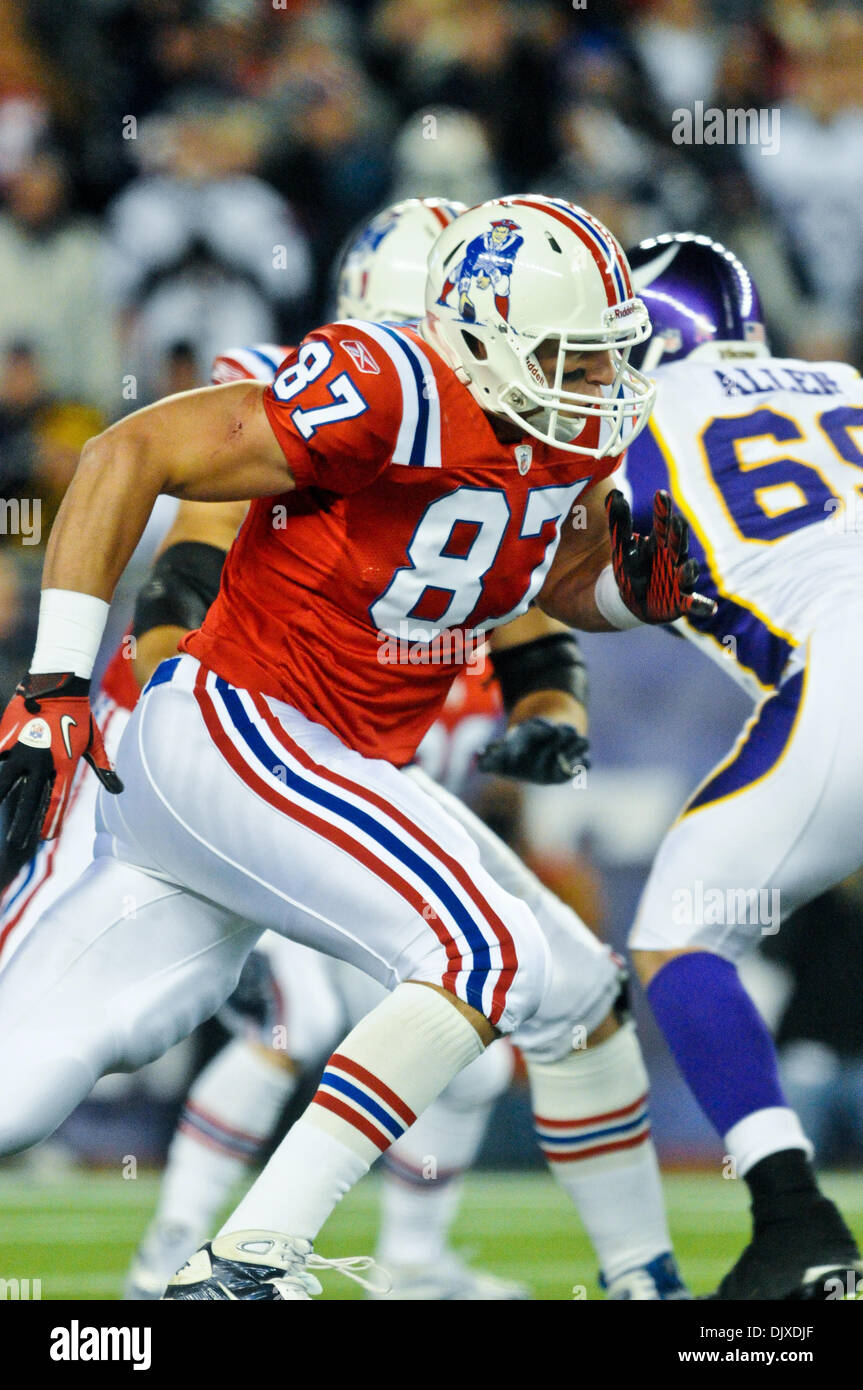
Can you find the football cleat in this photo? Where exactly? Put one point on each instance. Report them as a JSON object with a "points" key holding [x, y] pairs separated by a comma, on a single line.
{"points": [[659, 1281], [165, 1247], [449, 1279], [260, 1265], [804, 1251]]}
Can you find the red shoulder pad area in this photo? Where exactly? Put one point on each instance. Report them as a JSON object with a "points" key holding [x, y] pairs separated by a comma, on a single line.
{"points": [[335, 408], [258, 362]]}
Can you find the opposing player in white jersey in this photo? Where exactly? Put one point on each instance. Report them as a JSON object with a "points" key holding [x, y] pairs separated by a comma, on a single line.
{"points": [[764, 457], [398, 477], [610, 1170]]}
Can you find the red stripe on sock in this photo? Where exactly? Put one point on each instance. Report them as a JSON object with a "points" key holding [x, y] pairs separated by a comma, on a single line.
{"points": [[591, 1119], [597, 1150], [214, 1120], [414, 1177], [351, 1117], [375, 1084], [209, 1141]]}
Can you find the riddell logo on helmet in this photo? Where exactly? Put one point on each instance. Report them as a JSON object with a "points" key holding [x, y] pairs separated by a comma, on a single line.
{"points": [[618, 311]]}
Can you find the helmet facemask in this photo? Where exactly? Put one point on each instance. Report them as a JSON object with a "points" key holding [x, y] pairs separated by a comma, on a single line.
{"points": [[540, 404]]}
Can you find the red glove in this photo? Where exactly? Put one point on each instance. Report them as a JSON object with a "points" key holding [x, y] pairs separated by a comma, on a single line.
{"points": [[48, 725], [654, 576]]}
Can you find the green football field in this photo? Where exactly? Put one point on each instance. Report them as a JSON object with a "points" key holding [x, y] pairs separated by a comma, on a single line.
{"points": [[76, 1233]]}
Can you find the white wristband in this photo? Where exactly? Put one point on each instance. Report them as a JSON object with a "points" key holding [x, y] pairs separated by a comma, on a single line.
{"points": [[70, 631], [610, 604]]}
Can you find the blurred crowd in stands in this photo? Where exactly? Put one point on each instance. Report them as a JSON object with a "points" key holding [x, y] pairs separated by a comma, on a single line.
{"points": [[155, 153], [178, 174]]}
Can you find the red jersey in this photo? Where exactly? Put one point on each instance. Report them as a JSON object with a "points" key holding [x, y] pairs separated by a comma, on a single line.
{"points": [[118, 682], [472, 715], [358, 596]]}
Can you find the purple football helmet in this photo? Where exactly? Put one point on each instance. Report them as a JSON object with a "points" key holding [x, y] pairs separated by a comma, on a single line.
{"points": [[701, 300]]}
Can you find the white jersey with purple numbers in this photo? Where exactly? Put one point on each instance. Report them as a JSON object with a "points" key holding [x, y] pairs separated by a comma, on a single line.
{"points": [[765, 459]]}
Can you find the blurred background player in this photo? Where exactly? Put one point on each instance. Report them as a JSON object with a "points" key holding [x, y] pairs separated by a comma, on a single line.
{"points": [[762, 455]]}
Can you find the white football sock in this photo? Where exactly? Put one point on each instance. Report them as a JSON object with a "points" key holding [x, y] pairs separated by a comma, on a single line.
{"points": [[764, 1132], [387, 1070], [227, 1120], [590, 1115]]}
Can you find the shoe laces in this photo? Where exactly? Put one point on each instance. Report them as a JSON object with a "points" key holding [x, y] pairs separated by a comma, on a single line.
{"points": [[351, 1266], [295, 1258]]}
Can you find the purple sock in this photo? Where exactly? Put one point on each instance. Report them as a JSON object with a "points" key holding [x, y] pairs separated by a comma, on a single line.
{"points": [[719, 1040]]}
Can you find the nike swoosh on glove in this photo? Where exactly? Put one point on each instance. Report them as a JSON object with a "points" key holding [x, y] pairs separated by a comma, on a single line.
{"points": [[655, 577], [47, 727], [537, 750]]}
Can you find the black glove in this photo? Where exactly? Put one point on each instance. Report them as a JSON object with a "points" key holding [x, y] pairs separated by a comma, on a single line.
{"points": [[538, 750], [655, 578]]}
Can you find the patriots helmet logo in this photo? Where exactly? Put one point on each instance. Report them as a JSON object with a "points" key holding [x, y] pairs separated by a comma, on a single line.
{"points": [[487, 264]]}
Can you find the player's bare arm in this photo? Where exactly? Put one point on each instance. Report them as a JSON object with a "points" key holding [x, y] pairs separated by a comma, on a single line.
{"points": [[209, 445], [214, 444], [582, 555], [650, 578]]}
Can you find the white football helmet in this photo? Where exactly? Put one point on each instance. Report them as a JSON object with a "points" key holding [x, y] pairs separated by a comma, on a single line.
{"points": [[382, 275], [519, 272]]}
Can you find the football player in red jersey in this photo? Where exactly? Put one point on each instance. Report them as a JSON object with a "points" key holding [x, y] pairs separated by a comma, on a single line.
{"points": [[610, 1170], [298, 1013], [421, 485]]}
